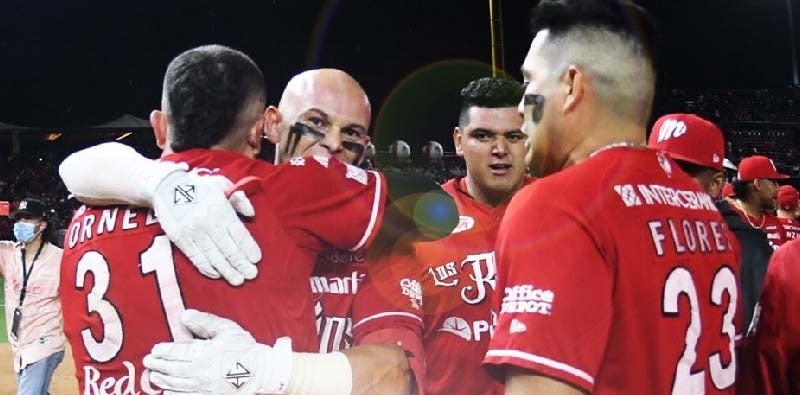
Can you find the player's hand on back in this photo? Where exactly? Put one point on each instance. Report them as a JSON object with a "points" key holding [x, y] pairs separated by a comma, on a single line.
{"points": [[225, 360], [199, 214]]}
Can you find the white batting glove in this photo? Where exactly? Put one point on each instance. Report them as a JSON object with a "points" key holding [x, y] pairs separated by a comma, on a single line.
{"points": [[229, 362], [197, 216]]}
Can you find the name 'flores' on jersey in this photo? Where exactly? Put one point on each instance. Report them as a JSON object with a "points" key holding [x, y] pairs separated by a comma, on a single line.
{"points": [[473, 278]]}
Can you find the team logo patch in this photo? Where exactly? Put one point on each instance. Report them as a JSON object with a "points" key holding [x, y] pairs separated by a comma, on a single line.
{"points": [[184, 194], [457, 326], [664, 163], [297, 161], [517, 326], [356, 173], [464, 223], [628, 195], [526, 298], [413, 290], [23, 205], [238, 376]]}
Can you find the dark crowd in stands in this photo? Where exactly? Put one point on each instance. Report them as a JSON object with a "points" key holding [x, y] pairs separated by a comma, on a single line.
{"points": [[765, 122]]}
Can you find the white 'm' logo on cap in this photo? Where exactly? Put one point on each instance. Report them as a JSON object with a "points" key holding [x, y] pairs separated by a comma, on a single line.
{"points": [[671, 128], [24, 204]]}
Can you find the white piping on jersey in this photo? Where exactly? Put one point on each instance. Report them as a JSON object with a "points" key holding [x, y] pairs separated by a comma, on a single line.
{"points": [[542, 361], [387, 314], [374, 216]]}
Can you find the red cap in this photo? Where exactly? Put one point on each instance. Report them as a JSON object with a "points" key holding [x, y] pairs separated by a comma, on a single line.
{"points": [[758, 167], [689, 138], [727, 190], [787, 198]]}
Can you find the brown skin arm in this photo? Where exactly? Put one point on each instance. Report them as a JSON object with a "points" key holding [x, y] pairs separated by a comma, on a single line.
{"points": [[379, 369], [525, 382]]}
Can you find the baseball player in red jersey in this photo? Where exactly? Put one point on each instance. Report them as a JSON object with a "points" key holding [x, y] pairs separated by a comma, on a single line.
{"points": [[787, 211], [338, 107], [757, 193], [770, 363], [459, 271], [350, 308], [616, 273], [281, 293]]}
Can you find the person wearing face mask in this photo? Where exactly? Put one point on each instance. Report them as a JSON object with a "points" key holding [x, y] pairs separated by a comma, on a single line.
{"points": [[30, 268]]}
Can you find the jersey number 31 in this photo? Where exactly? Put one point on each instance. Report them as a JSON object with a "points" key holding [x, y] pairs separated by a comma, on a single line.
{"points": [[157, 258]]}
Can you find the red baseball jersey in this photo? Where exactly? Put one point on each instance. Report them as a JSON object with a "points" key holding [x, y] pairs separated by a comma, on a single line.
{"points": [[337, 277], [771, 356], [458, 282], [770, 224], [124, 286], [618, 276], [791, 228]]}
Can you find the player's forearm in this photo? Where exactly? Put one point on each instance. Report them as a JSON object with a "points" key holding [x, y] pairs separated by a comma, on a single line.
{"points": [[380, 369], [525, 382], [364, 369], [113, 173]]}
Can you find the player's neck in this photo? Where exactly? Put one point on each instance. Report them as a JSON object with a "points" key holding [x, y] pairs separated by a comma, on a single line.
{"points": [[33, 245], [752, 209], [601, 138], [785, 214], [486, 197]]}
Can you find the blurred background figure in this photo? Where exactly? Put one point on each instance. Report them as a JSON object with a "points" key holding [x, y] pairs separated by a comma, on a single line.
{"points": [[30, 268], [787, 211]]}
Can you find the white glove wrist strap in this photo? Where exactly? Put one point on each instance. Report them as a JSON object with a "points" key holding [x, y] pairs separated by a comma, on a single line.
{"points": [[152, 174], [314, 374]]}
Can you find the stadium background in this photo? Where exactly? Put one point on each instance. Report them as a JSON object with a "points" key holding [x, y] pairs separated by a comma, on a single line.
{"points": [[74, 74]]}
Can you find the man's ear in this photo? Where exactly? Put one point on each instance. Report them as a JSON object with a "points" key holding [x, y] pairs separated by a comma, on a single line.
{"points": [[272, 124], [457, 134], [717, 182], [255, 135], [158, 121], [574, 81]]}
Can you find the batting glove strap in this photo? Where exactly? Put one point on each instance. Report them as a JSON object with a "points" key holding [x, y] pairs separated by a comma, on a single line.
{"points": [[278, 368], [314, 374], [154, 174]]}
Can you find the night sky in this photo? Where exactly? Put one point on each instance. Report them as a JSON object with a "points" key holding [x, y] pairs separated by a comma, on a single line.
{"points": [[79, 63]]}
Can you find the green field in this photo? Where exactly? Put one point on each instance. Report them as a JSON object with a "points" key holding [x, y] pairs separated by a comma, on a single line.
{"points": [[3, 338]]}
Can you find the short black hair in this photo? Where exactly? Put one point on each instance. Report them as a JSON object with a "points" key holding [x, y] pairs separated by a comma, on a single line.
{"points": [[617, 16], [206, 89], [695, 170], [741, 189], [488, 92]]}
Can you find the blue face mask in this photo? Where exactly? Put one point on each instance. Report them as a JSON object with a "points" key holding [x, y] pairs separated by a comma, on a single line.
{"points": [[24, 231]]}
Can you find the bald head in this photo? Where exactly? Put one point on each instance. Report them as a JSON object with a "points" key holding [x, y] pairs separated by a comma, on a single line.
{"points": [[330, 90], [332, 107]]}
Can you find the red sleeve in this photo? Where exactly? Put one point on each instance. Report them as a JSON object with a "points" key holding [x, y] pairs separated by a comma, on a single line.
{"points": [[770, 361], [337, 203], [556, 305], [387, 308], [390, 296]]}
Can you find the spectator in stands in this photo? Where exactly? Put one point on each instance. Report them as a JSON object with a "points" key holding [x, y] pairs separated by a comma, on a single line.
{"points": [[787, 211], [33, 318]]}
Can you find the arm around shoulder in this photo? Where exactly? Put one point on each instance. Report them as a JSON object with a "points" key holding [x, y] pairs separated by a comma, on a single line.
{"points": [[113, 173]]}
